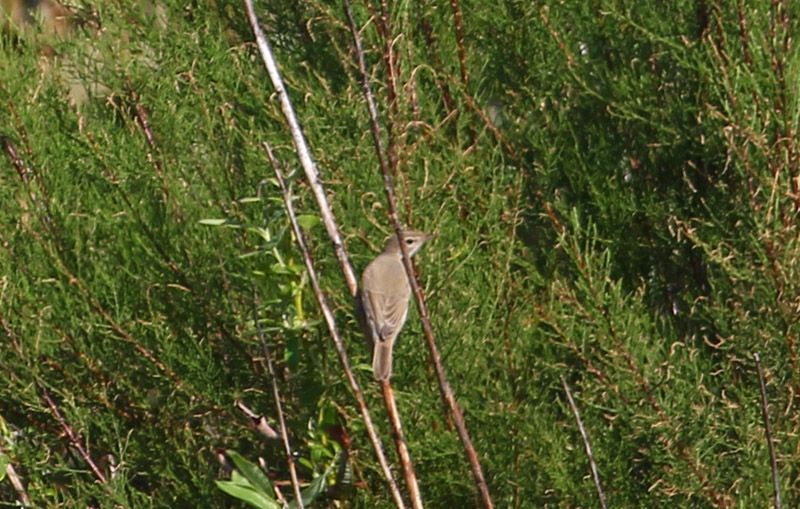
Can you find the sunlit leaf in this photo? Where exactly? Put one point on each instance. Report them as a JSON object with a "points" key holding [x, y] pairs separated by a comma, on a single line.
{"points": [[213, 222], [3, 466], [308, 221]]}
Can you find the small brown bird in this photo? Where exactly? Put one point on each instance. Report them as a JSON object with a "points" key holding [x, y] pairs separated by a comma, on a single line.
{"points": [[384, 294]]}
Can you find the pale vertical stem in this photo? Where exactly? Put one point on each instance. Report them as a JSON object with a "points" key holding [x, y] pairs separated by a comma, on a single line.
{"points": [[586, 444]]}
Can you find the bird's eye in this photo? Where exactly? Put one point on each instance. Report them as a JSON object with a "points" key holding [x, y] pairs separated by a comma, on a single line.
{"points": [[409, 241]]}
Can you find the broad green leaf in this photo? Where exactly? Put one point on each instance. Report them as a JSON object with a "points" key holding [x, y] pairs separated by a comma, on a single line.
{"points": [[248, 494], [278, 268], [252, 472], [220, 222], [250, 254]]}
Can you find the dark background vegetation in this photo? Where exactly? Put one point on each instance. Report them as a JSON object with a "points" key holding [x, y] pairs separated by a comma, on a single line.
{"points": [[615, 185]]}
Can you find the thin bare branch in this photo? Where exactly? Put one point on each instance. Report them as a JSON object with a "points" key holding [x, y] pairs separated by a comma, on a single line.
{"points": [[401, 446], [16, 482], [154, 156], [28, 175], [462, 51], [391, 61], [10, 149], [444, 386], [586, 444], [301, 147], [776, 480], [298, 497], [74, 439], [334, 332], [388, 394]]}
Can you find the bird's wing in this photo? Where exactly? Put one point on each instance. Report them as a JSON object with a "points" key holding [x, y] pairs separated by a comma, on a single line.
{"points": [[386, 314], [369, 315]]}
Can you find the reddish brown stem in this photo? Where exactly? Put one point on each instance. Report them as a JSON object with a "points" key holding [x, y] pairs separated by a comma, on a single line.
{"points": [[74, 439], [143, 119], [401, 445], [462, 51]]}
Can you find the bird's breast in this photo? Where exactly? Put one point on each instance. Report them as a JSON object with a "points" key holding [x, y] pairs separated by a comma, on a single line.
{"points": [[386, 274]]}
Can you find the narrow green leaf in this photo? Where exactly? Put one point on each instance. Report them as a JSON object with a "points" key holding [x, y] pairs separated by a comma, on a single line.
{"points": [[278, 268], [263, 233], [213, 222], [317, 487]]}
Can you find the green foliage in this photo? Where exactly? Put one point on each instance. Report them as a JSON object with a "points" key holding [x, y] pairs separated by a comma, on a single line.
{"points": [[249, 484], [615, 188]]}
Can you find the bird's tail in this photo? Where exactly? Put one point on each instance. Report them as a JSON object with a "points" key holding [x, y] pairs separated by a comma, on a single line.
{"points": [[382, 360]]}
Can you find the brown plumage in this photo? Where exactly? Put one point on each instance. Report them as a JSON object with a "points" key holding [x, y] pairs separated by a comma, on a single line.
{"points": [[384, 294]]}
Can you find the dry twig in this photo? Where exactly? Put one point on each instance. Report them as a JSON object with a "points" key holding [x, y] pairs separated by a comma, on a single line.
{"points": [[586, 444], [314, 179], [462, 52], [154, 156], [776, 481], [298, 497], [16, 482], [259, 422], [74, 439]]}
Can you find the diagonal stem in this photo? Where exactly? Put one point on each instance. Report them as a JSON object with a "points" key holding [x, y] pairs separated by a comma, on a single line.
{"points": [[773, 460], [586, 444], [74, 438], [298, 497]]}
